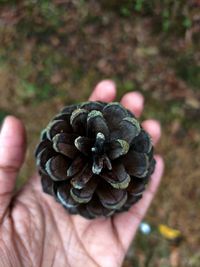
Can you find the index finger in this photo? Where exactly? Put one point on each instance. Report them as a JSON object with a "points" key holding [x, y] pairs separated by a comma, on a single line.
{"points": [[104, 91]]}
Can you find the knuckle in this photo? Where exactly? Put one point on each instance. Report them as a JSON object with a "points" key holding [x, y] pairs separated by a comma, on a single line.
{"points": [[9, 169]]}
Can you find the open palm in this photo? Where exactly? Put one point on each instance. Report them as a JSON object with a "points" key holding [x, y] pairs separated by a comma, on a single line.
{"points": [[37, 231]]}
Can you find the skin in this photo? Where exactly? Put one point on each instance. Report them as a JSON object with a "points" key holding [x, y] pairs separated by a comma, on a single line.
{"points": [[37, 231]]}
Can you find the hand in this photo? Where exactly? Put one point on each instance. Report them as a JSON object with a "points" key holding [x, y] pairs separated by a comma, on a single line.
{"points": [[37, 231]]}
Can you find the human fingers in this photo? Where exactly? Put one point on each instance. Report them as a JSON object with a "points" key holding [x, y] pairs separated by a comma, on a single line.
{"points": [[12, 153], [153, 128], [104, 91], [134, 101]]}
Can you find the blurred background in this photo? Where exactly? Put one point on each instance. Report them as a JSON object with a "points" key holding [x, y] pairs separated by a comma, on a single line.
{"points": [[52, 53]]}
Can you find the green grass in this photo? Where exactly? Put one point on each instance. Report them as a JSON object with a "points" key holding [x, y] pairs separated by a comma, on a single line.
{"points": [[188, 70], [168, 13]]}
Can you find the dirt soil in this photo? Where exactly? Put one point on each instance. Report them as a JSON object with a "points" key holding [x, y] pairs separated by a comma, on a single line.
{"points": [[56, 56]]}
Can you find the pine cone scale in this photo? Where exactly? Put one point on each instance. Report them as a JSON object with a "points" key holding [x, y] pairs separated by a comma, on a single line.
{"points": [[117, 177], [57, 126], [76, 166], [85, 194], [111, 198], [64, 196], [64, 144], [117, 148], [56, 168], [81, 179], [96, 124], [84, 144]]}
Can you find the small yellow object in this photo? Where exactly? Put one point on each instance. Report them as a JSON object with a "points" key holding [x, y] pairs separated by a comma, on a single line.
{"points": [[168, 232]]}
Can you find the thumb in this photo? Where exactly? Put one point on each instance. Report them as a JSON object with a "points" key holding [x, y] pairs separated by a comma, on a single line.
{"points": [[12, 152]]}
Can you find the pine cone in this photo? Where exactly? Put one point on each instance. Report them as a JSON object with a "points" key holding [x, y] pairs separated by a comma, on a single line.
{"points": [[95, 159]]}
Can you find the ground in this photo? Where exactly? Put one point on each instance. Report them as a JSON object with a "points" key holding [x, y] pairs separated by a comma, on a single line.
{"points": [[52, 53]]}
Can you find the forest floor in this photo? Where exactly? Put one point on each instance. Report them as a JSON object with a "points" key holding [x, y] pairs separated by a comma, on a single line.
{"points": [[54, 54]]}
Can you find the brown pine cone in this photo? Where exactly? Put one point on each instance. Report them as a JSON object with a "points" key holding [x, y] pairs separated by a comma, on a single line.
{"points": [[95, 159]]}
